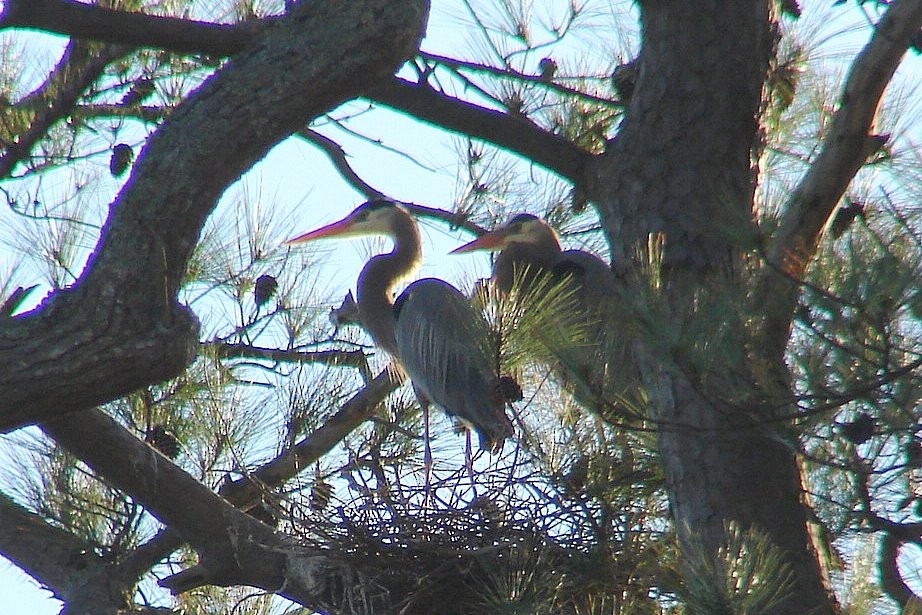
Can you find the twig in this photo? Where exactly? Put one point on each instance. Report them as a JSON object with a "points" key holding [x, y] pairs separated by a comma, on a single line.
{"points": [[506, 73], [337, 156]]}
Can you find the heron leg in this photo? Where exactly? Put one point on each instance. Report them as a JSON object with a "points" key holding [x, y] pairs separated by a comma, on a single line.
{"points": [[427, 449], [427, 455], [469, 455]]}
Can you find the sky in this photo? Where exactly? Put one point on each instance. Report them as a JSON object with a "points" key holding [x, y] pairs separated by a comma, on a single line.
{"points": [[297, 178]]}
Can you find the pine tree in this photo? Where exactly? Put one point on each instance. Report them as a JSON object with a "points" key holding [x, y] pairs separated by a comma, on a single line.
{"points": [[187, 429]]}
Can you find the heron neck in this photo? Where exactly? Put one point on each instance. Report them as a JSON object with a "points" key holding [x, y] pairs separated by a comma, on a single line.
{"points": [[379, 279]]}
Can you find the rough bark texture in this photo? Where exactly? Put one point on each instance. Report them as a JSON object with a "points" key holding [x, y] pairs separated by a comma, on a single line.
{"points": [[56, 558], [119, 327], [234, 548], [680, 167]]}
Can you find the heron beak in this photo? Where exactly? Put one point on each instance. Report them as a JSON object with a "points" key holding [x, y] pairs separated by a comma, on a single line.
{"points": [[330, 230], [492, 241]]}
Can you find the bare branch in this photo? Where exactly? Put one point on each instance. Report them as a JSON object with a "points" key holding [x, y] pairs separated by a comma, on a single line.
{"points": [[338, 156], [147, 113], [455, 219], [351, 358], [505, 73], [517, 135], [94, 22], [336, 153]]}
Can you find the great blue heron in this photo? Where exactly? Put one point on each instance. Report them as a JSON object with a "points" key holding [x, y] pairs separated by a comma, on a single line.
{"points": [[529, 249], [440, 340]]}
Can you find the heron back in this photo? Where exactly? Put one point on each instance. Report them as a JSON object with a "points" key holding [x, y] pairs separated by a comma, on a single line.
{"points": [[445, 346]]}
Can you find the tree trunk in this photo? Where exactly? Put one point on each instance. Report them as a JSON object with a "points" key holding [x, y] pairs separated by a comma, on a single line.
{"points": [[681, 169]]}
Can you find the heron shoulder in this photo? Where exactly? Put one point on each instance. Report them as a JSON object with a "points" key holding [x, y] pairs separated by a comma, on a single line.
{"points": [[584, 265]]}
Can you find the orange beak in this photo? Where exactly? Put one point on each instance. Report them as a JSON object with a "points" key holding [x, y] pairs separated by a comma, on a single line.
{"points": [[492, 241], [330, 230]]}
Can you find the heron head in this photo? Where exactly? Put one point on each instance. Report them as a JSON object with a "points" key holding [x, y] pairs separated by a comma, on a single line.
{"points": [[376, 217], [522, 228]]}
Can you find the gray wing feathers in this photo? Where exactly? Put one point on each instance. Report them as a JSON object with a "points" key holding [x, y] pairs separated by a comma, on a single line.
{"points": [[443, 344]]}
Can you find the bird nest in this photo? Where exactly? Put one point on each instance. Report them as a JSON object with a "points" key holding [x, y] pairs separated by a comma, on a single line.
{"points": [[463, 545]]}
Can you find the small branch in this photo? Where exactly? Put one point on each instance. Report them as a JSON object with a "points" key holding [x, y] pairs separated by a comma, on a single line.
{"points": [[145, 556], [146, 113], [455, 219], [353, 413], [342, 124], [505, 73], [518, 135], [90, 21], [352, 358], [338, 157]]}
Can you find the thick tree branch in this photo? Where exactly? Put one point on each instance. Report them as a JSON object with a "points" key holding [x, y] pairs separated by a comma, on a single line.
{"points": [[517, 135], [848, 143], [14, 300], [891, 581], [97, 579], [72, 569], [847, 146], [119, 327], [90, 21], [56, 558], [234, 548]]}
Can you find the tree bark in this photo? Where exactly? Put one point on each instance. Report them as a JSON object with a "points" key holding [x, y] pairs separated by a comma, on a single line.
{"points": [[680, 168]]}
